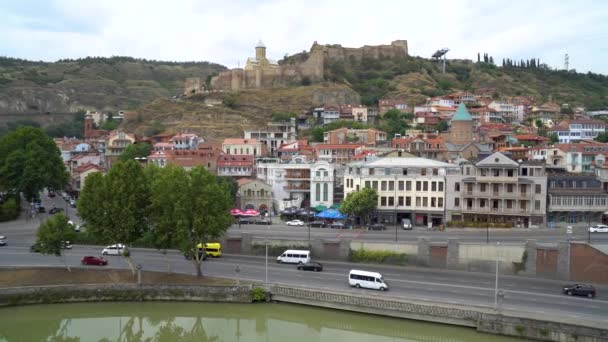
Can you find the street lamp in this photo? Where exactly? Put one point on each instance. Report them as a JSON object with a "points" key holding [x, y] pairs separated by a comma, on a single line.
{"points": [[496, 280]]}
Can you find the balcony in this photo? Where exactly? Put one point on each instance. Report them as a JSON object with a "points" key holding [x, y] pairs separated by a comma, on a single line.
{"points": [[493, 194], [297, 188], [322, 179], [495, 211], [297, 176]]}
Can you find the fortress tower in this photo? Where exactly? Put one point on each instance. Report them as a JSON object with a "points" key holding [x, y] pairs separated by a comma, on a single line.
{"points": [[260, 51]]}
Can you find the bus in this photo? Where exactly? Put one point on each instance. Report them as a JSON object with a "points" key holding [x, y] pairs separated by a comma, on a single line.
{"points": [[212, 249]]}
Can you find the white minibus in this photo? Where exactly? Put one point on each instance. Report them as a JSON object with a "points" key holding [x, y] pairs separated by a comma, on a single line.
{"points": [[370, 280], [294, 256]]}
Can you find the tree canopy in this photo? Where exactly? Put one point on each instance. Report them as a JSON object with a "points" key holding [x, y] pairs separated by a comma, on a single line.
{"points": [[139, 150], [53, 234], [29, 162], [360, 203]]}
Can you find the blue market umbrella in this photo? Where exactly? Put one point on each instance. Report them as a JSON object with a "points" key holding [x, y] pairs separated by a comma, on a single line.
{"points": [[331, 214]]}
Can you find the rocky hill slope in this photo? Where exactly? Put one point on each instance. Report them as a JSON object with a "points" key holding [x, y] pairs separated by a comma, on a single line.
{"points": [[92, 83]]}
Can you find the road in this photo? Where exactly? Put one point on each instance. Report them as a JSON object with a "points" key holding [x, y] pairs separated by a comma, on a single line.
{"points": [[539, 296]]}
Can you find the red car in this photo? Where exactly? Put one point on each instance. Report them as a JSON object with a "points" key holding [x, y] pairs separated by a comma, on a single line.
{"points": [[93, 260]]}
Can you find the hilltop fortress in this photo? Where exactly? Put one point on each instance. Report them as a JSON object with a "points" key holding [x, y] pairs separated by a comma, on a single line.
{"points": [[305, 68]]}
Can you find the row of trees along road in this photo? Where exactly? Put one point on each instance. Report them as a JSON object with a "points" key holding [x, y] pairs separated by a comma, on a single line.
{"points": [[360, 203], [176, 208]]}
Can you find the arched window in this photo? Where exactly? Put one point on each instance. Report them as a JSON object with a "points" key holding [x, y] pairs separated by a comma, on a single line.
{"points": [[325, 192], [318, 192]]}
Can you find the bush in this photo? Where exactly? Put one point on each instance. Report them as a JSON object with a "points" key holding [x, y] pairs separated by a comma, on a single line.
{"points": [[258, 294], [9, 209], [378, 257]]}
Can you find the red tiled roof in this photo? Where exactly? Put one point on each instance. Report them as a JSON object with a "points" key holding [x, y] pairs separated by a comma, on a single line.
{"points": [[530, 137], [240, 141], [337, 146]]}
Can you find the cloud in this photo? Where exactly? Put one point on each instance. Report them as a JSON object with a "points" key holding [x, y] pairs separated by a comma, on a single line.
{"points": [[226, 32]]}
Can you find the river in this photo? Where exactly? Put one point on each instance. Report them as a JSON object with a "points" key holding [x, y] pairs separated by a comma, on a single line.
{"points": [[158, 321]]}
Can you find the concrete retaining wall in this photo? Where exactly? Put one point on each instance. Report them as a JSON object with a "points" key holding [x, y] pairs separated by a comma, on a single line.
{"points": [[407, 248], [123, 292], [485, 320]]}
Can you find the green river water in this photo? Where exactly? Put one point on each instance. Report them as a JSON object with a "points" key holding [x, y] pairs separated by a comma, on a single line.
{"points": [[154, 321]]}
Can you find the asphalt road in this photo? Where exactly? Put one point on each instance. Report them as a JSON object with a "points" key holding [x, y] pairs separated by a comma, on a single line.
{"points": [[538, 296]]}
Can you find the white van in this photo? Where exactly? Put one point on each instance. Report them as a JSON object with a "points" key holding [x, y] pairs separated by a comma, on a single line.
{"points": [[294, 256], [117, 249], [370, 280]]}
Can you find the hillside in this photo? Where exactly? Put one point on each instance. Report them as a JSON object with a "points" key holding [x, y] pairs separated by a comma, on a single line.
{"points": [[417, 78], [92, 83], [218, 115]]}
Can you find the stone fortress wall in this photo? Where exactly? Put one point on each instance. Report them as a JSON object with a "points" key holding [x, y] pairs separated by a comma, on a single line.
{"points": [[267, 76]]}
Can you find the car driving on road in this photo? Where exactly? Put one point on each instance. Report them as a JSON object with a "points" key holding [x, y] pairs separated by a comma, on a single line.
{"points": [[337, 225], [295, 223], [579, 290], [599, 228], [55, 210], [311, 266], [2, 240], [376, 226], [94, 260], [116, 249], [318, 224]]}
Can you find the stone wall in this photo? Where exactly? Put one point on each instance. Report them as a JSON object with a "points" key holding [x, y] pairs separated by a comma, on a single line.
{"points": [[588, 264], [123, 292], [509, 323]]}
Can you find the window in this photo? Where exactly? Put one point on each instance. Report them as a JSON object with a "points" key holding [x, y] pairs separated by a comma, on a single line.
{"points": [[383, 201], [482, 187], [456, 202], [375, 185], [483, 172], [318, 192], [400, 201], [440, 202], [408, 201], [509, 173], [537, 205], [496, 172], [391, 185], [387, 172], [468, 171], [418, 186], [423, 171], [401, 186], [425, 201], [522, 205], [509, 204], [418, 201], [371, 171], [367, 184], [482, 203], [435, 172], [325, 192], [425, 186], [509, 187], [440, 186], [537, 188], [383, 185], [391, 201], [404, 172], [408, 186], [433, 202]]}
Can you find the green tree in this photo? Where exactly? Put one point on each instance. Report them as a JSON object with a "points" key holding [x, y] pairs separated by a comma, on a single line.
{"points": [[539, 123], [168, 191], [233, 186], [360, 203], [139, 150], [53, 234], [442, 126], [553, 139], [110, 124], [116, 205], [602, 137], [282, 117], [202, 209], [29, 162], [393, 122]]}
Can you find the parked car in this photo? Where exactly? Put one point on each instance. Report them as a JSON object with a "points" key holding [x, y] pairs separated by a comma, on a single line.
{"points": [[116, 249], [580, 290], [51, 193], [246, 220], [94, 260], [72, 203], [295, 223], [406, 224], [318, 224], [55, 210], [263, 221], [311, 266], [337, 225], [376, 226], [600, 228], [41, 209], [2, 240]]}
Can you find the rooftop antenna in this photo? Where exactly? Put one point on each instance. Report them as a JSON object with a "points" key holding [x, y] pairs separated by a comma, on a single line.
{"points": [[566, 61], [441, 53]]}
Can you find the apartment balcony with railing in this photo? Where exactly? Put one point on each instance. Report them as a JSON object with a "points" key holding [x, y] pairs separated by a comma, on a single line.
{"points": [[494, 194], [300, 174], [496, 210], [297, 187]]}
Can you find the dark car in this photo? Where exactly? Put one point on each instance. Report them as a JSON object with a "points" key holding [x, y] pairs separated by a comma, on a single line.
{"points": [[41, 209], [311, 266], [338, 225], [580, 290], [93, 260], [55, 210], [51, 193], [376, 226], [245, 220], [263, 221], [318, 224]]}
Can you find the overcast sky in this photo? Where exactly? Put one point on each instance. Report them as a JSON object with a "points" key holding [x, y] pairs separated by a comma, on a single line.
{"points": [[226, 31]]}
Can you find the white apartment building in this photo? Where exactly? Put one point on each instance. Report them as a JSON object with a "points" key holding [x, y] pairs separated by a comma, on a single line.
{"points": [[274, 135], [299, 182], [508, 111], [580, 129], [411, 188]]}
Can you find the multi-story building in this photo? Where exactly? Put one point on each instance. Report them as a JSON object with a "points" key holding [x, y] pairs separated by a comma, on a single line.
{"points": [[432, 148], [116, 143], [185, 141], [510, 112], [368, 137], [384, 105], [573, 157], [250, 147], [205, 156], [360, 113], [253, 193], [299, 182], [274, 135], [575, 199], [338, 154], [411, 188], [299, 147], [498, 189], [325, 115], [576, 130], [235, 165]]}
